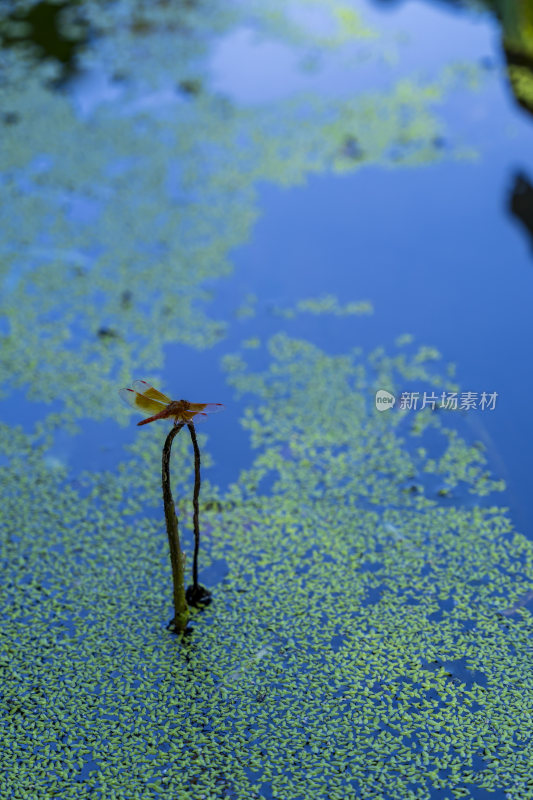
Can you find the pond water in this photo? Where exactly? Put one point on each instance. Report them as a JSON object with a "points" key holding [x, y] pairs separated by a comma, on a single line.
{"points": [[287, 208]]}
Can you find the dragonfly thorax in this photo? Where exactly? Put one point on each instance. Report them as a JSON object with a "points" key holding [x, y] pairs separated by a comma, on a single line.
{"points": [[178, 408]]}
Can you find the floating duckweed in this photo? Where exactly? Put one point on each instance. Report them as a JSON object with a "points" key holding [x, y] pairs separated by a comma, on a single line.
{"points": [[326, 304], [98, 700], [431, 676], [120, 298]]}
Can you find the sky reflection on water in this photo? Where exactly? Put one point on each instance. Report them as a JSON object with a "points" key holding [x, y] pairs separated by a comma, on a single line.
{"points": [[442, 251]]}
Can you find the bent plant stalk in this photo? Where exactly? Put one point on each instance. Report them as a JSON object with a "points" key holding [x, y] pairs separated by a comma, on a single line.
{"points": [[181, 609], [196, 594], [196, 495]]}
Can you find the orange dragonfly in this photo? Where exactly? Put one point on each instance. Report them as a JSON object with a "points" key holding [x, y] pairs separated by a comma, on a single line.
{"points": [[148, 400]]}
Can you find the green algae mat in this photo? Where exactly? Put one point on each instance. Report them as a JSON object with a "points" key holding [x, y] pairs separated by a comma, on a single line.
{"points": [[369, 635]]}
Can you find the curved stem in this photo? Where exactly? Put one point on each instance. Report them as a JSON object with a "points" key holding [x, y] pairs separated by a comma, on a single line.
{"points": [[181, 609], [196, 495]]}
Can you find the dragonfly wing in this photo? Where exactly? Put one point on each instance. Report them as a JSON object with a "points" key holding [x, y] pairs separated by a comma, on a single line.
{"points": [[141, 402], [206, 408], [198, 417], [144, 388]]}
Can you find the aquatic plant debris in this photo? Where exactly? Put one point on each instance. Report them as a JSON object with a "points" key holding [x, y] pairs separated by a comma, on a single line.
{"points": [[145, 398], [367, 641]]}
